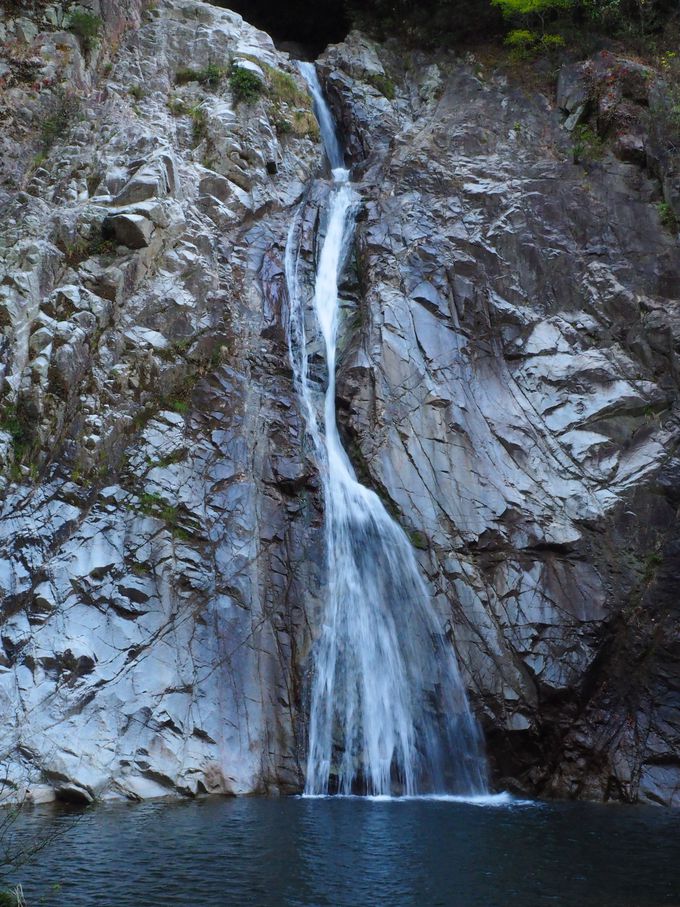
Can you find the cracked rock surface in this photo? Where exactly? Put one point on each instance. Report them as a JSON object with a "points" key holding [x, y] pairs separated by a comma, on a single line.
{"points": [[159, 518]]}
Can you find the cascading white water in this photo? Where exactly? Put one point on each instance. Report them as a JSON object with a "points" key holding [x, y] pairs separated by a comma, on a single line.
{"points": [[389, 714]]}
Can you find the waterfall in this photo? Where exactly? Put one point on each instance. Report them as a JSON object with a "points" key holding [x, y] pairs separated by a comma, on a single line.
{"points": [[388, 711]]}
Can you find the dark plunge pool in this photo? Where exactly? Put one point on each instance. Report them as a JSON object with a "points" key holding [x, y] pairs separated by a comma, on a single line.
{"points": [[357, 853]]}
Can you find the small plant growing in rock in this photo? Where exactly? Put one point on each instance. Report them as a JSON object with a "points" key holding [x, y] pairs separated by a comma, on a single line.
{"points": [[283, 87], [199, 119], [82, 248], [14, 425], [65, 110], [382, 83], [177, 106], [209, 76], [13, 897], [667, 217], [137, 92], [86, 27], [246, 86], [588, 145], [305, 125], [282, 125]]}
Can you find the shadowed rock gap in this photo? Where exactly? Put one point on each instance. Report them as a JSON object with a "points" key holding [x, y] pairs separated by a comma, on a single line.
{"points": [[297, 26]]}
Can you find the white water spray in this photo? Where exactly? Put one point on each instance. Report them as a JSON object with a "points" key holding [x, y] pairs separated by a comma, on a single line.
{"points": [[389, 714]]}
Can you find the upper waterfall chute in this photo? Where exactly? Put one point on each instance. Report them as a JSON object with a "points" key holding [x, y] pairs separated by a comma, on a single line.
{"points": [[324, 116]]}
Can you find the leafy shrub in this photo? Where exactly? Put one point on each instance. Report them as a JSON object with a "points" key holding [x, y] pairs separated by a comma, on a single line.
{"points": [[86, 27], [667, 217], [525, 44], [521, 40], [81, 248], [199, 119], [209, 76], [588, 146], [382, 83], [14, 423], [176, 106], [524, 9], [282, 125], [552, 42], [65, 109], [246, 86]]}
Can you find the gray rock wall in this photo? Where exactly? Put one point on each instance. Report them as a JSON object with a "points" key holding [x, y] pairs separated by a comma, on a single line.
{"points": [[159, 520]]}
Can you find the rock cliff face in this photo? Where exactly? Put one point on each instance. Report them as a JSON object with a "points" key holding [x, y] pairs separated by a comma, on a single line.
{"points": [[512, 391], [508, 384], [159, 520]]}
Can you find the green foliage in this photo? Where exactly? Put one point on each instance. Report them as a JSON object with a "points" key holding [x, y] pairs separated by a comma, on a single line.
{"points": [[83, 248], [199, 119], [152, 504], [552, 42], [521, 38], [667, 217], [306, 125], [419, 539], [137, 92], [428, 22], [179, 406], [87, 27], [65, 109], [246, 86], [603, 11], [11, 423], [513, 8], [14, 423], [665, 109], [588, 146], [382, 83], [177, 106], [209, 76], [291, 108], [652, 562], [527, 11], [283, 87], [445, 22], [282, 125], [149, 502], [525, 44]]}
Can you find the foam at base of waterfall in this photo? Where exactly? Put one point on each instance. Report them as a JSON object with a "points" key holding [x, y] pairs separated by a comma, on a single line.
{"points": [[503, 800]]}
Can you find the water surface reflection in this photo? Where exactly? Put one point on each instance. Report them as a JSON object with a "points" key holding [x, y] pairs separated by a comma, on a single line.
{"points": [[357, 853]]}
